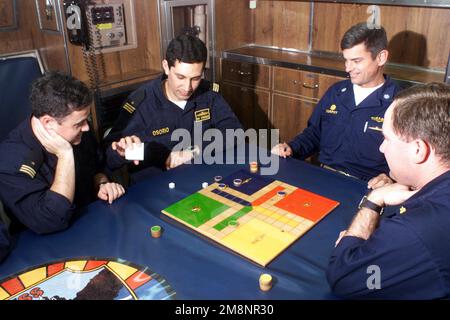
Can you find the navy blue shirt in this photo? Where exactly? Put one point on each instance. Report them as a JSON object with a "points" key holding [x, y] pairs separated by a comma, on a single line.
{"points": [[411, 249], [154, 118], [27, 173], [348, 137]]}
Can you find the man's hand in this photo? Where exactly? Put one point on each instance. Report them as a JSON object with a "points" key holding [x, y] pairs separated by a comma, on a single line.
{"points": [[124, 143], [52, 142], [110, 191], [177, 158], [391, 194], [282, 150], [379, 181]]}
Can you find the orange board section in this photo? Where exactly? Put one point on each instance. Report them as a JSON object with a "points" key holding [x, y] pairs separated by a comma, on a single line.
{"points": [[54, 268], [137, 280], [267, 196], [307, 205], [13, 286], [93, 264]]}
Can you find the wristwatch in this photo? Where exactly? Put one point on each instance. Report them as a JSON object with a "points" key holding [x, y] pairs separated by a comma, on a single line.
{"points": [[366, 203]]}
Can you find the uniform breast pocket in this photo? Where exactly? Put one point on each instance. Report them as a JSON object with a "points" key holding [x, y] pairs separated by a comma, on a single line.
{"points": [[370, 137], [332, 128]]}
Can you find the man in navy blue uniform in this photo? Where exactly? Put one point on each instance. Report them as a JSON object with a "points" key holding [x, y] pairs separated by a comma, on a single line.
{"points": [[178, 99], [405, 255], [345, 126], [4, 240], [50, 163]]}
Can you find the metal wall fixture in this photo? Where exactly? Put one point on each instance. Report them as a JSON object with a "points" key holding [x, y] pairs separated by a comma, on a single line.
{"points": [[189, 16]]}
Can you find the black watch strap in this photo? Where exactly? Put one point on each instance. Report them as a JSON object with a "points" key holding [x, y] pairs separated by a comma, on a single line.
{"points": [[366, 203]]}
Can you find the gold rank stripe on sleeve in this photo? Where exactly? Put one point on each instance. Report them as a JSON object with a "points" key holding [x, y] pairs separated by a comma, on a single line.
{"points": [[127, 106], [27, 170]]}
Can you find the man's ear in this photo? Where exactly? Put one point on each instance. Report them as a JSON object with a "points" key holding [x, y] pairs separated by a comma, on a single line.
{"points": [[382, 57], [421, 150], [48, 122], [165, 66]]}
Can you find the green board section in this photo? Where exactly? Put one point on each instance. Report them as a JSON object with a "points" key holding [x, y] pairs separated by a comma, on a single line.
{"points": [[224, 223], [209, 208]]}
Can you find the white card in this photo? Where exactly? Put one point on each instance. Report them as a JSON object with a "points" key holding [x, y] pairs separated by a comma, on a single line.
{"points": [[137, 153]]}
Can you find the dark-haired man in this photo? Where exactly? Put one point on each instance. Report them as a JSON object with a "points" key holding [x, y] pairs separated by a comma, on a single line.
{"points": [[345, 127], [405, 255], [50, 163], [178, 99]]}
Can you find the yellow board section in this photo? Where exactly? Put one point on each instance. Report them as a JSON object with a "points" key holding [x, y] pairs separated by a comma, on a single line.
{"points": [[3, 294], [258, 241], [121, 270], [76, 265], [32, 277]]}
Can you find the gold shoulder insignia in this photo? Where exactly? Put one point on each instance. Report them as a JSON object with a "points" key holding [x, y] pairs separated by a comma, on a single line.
{"points": [[402, 210], [28, 170], [129, 107], [215, 87]]}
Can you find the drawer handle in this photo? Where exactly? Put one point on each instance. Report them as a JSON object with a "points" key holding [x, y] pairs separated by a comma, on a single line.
{"points": [[314, 86], [242, 73]]}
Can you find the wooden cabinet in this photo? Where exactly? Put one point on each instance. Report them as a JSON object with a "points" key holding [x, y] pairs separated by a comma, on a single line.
{"points": [[264, 96], [246, 87], [295, 95], [251, 106], [290, 115]]}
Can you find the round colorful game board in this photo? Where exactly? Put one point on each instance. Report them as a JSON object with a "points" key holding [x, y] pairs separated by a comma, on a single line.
{"points": [[86, 279], [258, 217]]}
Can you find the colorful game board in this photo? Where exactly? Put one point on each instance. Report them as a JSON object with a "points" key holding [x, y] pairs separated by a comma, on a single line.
{"points": [[252, 219], [82, 279]]}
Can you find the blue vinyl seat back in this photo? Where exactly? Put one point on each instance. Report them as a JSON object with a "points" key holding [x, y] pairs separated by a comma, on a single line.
{"points": [[16, 76]]}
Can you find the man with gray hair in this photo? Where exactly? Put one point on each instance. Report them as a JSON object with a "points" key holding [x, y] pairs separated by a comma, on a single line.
{"points": [[405, 255]]}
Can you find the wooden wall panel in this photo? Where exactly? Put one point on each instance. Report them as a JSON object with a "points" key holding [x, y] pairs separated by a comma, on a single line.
{"points": [[417, 36], [234, 24], [29, 36], [20, 39], [283, 24]]}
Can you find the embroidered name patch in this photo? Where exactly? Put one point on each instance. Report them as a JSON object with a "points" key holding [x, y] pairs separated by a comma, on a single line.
{"points": [[160, 131], [202, 115]]}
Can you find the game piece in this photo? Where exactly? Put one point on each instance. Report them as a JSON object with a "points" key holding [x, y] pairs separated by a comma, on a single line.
{"points": [[172, 185], [237, 182], [156, 231], [281, 194], [252, 219], [218, 178], [254, 167], [204, 185], [265, 282], [233, 223], [137, 153]]}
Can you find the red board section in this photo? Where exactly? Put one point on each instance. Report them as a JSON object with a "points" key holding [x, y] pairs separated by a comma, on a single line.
{"points": [[54, 268], [13, 286], [307, 204], [267, 196], [92, 264], [137, 279]]}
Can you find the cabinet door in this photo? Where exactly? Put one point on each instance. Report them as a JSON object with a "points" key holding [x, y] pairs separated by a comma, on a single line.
{"points": [[290, 115], [308, 84], [251, 106], [249, 74]]}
